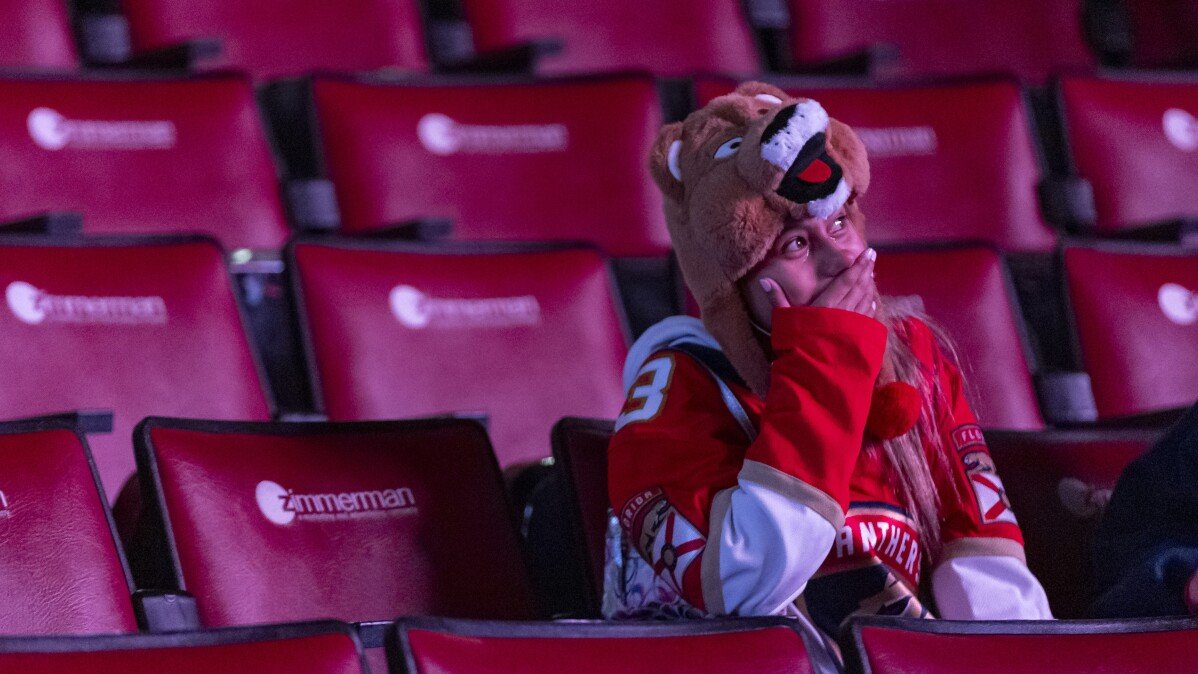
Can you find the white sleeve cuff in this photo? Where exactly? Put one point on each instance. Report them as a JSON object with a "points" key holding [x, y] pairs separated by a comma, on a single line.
{"points": [[762, 550], [988, 587]]}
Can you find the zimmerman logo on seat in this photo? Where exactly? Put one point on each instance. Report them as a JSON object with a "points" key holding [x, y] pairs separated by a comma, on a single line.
{"points": [[35, 306], [1179, 303], [443, 136], [416, 310], [52, 131], [1181, 128], [898, 141], [283, 506]]}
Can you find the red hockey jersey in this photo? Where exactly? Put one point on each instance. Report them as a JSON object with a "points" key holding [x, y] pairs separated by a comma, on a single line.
{"points": [[804, 517]]}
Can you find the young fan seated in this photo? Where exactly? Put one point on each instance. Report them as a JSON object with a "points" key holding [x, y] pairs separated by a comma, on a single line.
{"points": [[807, 449]]}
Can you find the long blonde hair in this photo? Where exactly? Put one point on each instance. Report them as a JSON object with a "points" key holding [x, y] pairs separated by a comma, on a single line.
{"points": [[908, 454]]}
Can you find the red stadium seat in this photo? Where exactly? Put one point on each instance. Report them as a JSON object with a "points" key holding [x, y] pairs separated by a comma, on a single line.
{"points": [[141, 156], [1135, 313], [894, 645], [555, 160], [298, 648], [62, 571], [525, 334], [580, 457], [969, 295], [36, 34], [272, 38], [1028, 38], [357, 521], [139, 326], [759, 645], [666, 37], [1136, 143], [1059, 482], [948, 162]]}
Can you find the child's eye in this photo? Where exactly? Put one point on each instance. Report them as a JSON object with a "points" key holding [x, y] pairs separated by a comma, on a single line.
{"points": [[795, 245], [728, 149], [837, 226]]}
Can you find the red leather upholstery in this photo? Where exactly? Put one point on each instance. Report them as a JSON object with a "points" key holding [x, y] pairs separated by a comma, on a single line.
{"points": [[60, 572], [965, 290], [1136, 316], [138, 156], [306, 648], [553, 160], [1059, 482], [1163, 647], [948, 162], [666, 37], [141, 328], [692, 647], [580, 452], [272, 522], [1028, 38], [36, 34], [1137, 144], [273, 38], [527, 336], [1164, 33]]}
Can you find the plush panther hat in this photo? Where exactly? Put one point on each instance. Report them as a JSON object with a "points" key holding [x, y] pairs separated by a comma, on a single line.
{"points": [[732, 174]]}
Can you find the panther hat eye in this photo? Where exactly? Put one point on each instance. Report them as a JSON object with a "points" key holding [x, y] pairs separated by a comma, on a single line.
{"points": [[728, 149]]}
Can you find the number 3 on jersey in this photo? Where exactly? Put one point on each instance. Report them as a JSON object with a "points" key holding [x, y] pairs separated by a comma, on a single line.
{"points": [[648, 394]]}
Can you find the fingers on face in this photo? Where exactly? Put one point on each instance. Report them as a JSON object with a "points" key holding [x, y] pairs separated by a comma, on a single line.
{"points": [[775, 293]]}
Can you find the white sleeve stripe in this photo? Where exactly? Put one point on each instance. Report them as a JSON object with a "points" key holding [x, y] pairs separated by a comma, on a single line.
{"points": [[988, 588], [793, 488], [713, 591], [982, 547]]}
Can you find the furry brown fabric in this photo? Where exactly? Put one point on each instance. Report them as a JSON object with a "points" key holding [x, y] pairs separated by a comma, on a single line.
{"points": [[724, 213]]}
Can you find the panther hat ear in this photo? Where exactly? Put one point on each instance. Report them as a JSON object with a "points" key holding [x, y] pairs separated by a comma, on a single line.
{"points": [[664, 161]]}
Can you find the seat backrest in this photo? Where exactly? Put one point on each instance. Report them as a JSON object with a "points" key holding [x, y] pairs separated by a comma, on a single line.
{"points": [[580, 453], [1164, 33], [526, 335], [893, 645], [967, 292], [357, 521], [274, 38], [666, 37], [1135, 314], [1059, 482], [62, 571], [36, 34], [554, 160], [1028, 38], [296, 648], [947, 162], [1136, 142], [137, 326], [141, 156], [590, 647]]}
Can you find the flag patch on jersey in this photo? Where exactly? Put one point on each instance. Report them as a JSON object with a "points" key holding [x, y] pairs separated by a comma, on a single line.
{"points": [[993, 505], [676, 545]]}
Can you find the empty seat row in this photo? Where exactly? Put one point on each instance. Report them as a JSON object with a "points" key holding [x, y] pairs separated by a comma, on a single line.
{"points": [[268, 522], [563, 159], [920, 38], [428, 646], [521, 334]]}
